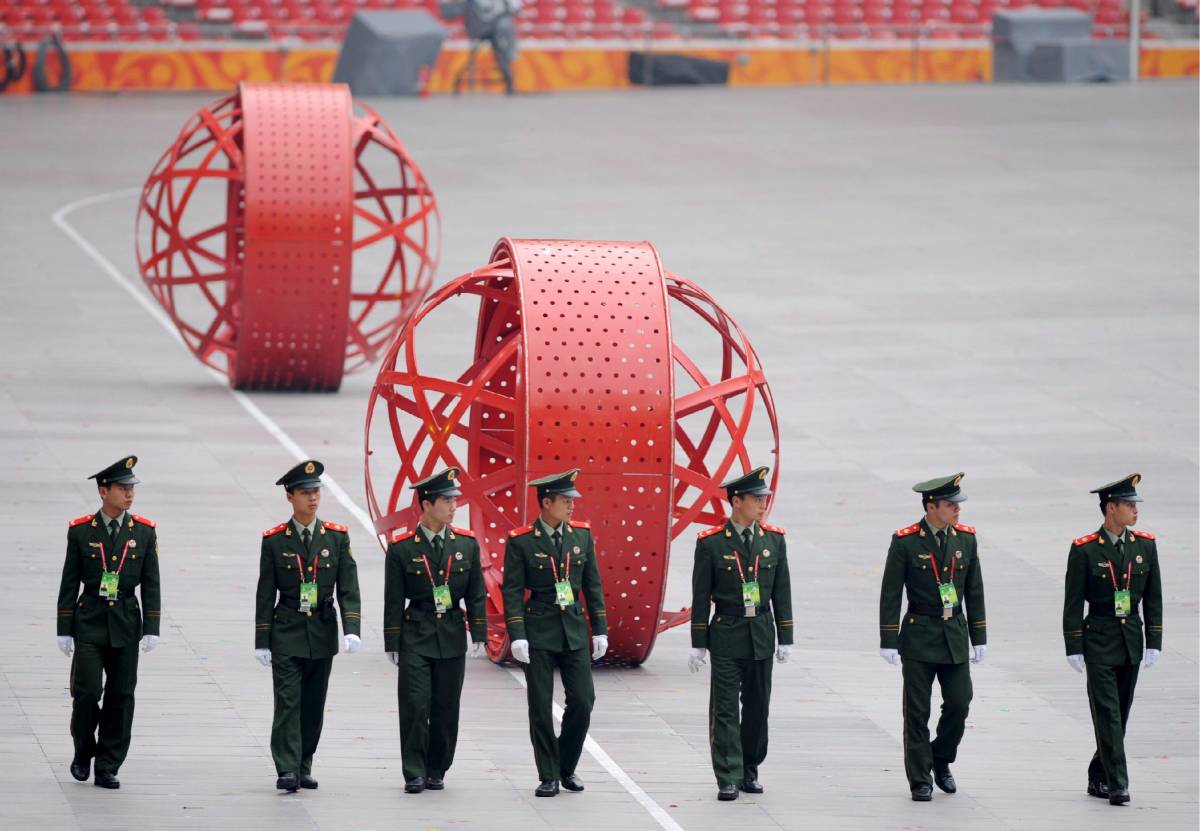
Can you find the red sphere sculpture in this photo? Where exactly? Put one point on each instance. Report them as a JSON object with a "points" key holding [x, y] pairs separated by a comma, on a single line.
{"points": [[561, 354], [288, 234]]}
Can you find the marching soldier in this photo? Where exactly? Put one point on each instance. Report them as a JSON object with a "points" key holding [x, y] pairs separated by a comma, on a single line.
{"points": [[741, 568], [434, 567], [555, 559], [936, 562], [111, 552], [304, 563], [1116, 571]]}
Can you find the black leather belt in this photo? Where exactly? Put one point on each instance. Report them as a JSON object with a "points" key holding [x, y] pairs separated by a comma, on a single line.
{"points": [[426, 606], [549, 599], [1107, 610], [123, 594], [734, 610], [931, 611], [324, 607]]}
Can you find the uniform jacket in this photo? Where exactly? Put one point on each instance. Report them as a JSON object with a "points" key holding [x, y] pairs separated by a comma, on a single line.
{"points": [[85, 615], [717, 581], [278, 623]]}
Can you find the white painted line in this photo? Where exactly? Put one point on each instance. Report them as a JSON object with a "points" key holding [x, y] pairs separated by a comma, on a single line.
{"points": [[280, 435]]}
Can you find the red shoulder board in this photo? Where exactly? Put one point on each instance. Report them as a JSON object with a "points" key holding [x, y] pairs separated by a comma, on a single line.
{"points": [[401, 536], [1086, 540], [81, 520], [143, 520], [1146, 535], [270, 532], [708, 532], [966, 529], [912, 529], [466, 532], [333, 526], [587, 525], [774, 528], [516, 532]]}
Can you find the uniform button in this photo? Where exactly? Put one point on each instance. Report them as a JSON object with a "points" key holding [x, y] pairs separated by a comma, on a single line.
{"points": [[439, 614], [910, 620], [112, 603], [1122, 621]]}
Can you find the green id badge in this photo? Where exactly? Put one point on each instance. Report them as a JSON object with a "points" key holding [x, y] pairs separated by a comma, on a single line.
{"points": [[308, 596], [110, 580], [563, 595], [751, 596], [1122, 604], [441, 598], [948, 594]]}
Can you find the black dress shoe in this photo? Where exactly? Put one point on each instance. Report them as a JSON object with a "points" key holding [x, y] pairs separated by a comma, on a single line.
{"points": [[1118, 796], [289, 782], [110, 781], [435, 783], [572, 783], [751, 786], [1097, 789], [549, 787], [922, 793], [944, 778], [81, 770], [307, 782], [726, 793], [415, 785]]}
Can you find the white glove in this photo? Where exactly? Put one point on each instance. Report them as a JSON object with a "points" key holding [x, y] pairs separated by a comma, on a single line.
{"points": [[599, 646], [394, 657], [478, 649], [149, 642], [980, 651], [67, 644], [696, 659], [783, 652], [892, 656], [1076, 662], [353, 643], [520, 651], [263, 656], [1151, 657]]}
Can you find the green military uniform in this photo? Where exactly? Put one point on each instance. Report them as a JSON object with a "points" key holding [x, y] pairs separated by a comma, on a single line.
{"points": [[935, 640], [557, 634], [303, 642], [740, 639], [1111, 642], [429, 636], [107, 630]]}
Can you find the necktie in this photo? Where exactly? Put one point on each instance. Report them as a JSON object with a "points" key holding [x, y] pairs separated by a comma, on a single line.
{"points": [[437, 546], [746, 539], [306, 538], [941, 538], [1121, 550], [557, 537], [112, 529]]}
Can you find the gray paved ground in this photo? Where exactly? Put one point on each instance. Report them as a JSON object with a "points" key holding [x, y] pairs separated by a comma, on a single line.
{"points": [[1001, 280]]}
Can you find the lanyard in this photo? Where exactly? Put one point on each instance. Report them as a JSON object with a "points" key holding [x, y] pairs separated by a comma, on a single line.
{"points": [[125, 551], [741, 573], [566, 568], [936, 575], [429, 571], [300, 563], [1128, 576]]}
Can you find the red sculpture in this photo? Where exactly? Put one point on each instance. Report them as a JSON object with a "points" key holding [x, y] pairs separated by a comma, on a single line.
{"points": [[288, 234], [573, 362]]}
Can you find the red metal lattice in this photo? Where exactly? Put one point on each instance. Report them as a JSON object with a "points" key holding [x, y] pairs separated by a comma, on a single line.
{"points": [[573, 362], [288, 234]]}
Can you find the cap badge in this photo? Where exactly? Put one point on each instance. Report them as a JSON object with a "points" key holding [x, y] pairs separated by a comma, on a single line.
{"points": [[129, 463], [450, 474], [310, 467], [762, 474], [574, 475]]}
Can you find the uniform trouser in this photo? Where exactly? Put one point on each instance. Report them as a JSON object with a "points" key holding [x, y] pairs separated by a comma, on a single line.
{"points": [[556, 757], [300, 687], [1110, 694], [428, 692], [503, 38], [738, 745], [118, 665], [920, 755]]}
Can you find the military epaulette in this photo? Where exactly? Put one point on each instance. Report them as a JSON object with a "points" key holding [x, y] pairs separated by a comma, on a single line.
{"points": [[270, 532], [81, 520], [575, 524], [966, 529], [333, 526], [143, 520], [912, 529], [1086, 540], [775, 528], [403, 535], [708, 532], [1146, 535], [516, 532], [465, 532]]}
